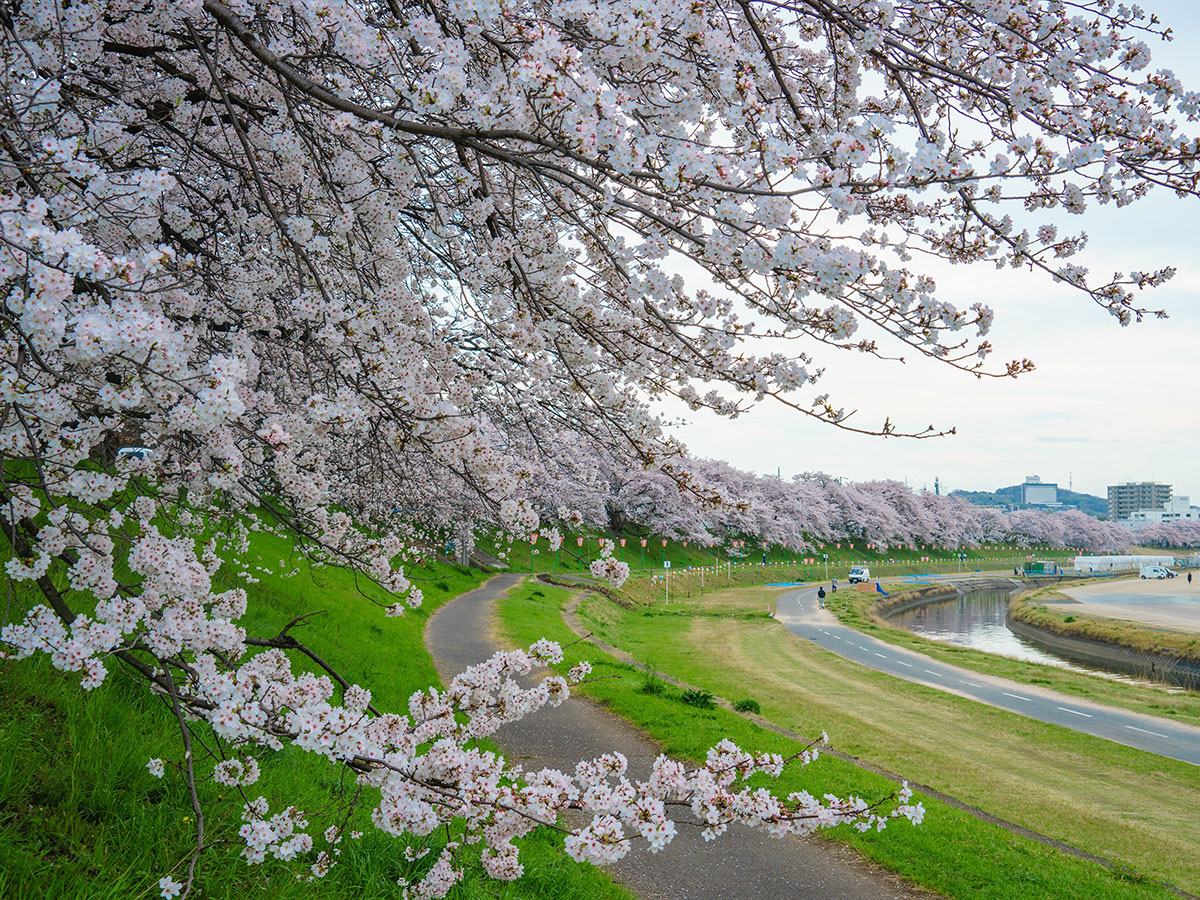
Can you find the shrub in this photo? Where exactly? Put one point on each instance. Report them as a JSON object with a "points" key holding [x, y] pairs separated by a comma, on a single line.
{"points": [[748, 706], [652, 684], [699, 699]]}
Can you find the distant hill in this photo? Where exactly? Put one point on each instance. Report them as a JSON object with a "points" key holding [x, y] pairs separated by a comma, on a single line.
{"points": [[1010, 497]]}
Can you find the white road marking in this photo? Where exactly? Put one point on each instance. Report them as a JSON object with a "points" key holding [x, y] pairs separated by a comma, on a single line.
{"points": [[971, 683], [1144, 731], [881, 656], [1075, 712], [938, 674], [903, 663], [1017, 696]]}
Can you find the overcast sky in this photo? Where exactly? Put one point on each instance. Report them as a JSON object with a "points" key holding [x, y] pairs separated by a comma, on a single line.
{"points": [[1106, 404]]}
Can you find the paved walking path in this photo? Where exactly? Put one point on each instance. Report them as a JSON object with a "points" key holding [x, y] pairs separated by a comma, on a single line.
{"points": [[798, 611], [743, 863]]}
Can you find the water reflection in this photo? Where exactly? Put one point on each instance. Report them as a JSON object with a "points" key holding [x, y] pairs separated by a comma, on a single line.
{"points": [[977, 620], [974, 620]]}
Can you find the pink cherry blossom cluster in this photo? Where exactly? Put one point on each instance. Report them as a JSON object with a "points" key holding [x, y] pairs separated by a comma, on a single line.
{"points": [[279, 835], [553, 537], [614, 571]]}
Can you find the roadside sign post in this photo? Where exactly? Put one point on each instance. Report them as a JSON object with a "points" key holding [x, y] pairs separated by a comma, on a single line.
{"points": [[667, 577], [826, 555]]}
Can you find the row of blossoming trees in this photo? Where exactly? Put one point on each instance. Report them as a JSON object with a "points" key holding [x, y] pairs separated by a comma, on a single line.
{"points": [[351, 265], [815, 507]]}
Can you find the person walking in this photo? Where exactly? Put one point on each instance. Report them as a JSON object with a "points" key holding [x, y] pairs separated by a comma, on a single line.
{"points": [[821, 596], [834, 587]]}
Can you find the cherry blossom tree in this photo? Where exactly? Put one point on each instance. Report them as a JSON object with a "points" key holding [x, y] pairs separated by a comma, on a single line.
{"points": [[337, 264], [817, 507], [1170, 534]]}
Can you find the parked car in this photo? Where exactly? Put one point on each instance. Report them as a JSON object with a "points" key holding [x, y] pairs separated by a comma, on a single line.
{"points": [[860, 574], [1156, 572]]}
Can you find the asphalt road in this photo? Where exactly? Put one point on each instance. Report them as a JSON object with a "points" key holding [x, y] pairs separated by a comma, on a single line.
{"points": [[799, 612]]}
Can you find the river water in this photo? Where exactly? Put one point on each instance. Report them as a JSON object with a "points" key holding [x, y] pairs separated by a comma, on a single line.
{"points": [[977, 620]]}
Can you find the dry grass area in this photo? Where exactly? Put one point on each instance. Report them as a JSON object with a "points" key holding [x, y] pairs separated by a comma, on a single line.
{"points": [[1159, 551], [1113, 800], [701, 587], [750, 601]]}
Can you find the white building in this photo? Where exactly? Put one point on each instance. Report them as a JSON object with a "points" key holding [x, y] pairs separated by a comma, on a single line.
{"points": [[1113, 563], [1178, 509], [1035, 492]]}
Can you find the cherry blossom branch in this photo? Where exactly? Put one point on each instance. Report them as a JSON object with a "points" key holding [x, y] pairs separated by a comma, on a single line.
{"points": [[190, 779]]}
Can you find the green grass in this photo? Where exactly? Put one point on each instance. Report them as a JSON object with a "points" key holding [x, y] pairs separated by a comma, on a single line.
{"points": [[696, 583], [952, 853], [573, 558], [82, 819]]}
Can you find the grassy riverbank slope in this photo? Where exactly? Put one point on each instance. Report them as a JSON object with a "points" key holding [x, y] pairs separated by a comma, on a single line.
{"points": [[82, 819]]}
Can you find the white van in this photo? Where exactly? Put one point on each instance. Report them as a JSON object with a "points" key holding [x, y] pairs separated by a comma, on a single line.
{"points": [[1155, 572], [859, 574]]}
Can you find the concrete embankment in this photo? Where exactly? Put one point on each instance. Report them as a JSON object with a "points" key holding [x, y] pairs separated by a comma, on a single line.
{"points": [[1113, 657]]}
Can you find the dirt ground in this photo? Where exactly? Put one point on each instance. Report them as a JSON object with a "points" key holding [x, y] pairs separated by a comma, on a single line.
{"points": [[1161, 603]]}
